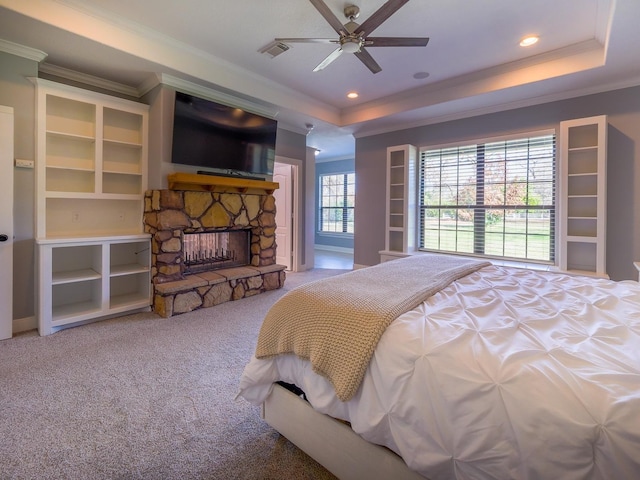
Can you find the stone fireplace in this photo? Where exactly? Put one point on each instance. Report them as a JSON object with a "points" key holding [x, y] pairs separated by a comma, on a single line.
{"points": [[213, 241]]}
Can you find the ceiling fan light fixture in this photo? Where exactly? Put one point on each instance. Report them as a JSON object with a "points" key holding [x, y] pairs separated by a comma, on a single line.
{"points": [[350, 45]]}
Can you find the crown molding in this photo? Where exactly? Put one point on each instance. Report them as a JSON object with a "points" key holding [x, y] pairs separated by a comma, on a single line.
{"points": [[210, 94], [22, 51], [528, 102], [87, 79]]}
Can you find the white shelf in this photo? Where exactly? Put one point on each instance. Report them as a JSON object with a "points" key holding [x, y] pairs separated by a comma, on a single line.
{"points": [[582, 149], [582, 239], [92, 196], [75, 312], [119, 270], [72, 136], [63, 168], [117, 172], [400, 197], [73, 290], [128, 301], [90, 146], [75, 276], [91, 175], [122, 143], [582, 209]]}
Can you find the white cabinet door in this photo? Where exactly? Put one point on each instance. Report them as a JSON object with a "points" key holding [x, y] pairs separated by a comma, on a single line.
{"points": [[6, 221]]}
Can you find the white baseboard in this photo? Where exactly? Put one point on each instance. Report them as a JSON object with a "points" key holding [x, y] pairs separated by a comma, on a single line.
{"points": [[24, 324], [332, 248]]}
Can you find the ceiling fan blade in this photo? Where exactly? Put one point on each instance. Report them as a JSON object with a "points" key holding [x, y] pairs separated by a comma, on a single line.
{"points": [[306, 40], [368, 60], [375, 20], [329, 16], [397, 41], [332, 56]]}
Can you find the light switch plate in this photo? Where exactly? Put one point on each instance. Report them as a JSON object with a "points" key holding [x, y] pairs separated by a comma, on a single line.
{"points": [[20, 162]]}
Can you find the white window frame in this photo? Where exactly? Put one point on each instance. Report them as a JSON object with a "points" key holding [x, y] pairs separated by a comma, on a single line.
{"points": [[478, 248], [321, 207]]}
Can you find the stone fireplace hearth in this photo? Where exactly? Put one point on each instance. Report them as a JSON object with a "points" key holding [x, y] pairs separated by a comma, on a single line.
{"points": [[171, 215]]}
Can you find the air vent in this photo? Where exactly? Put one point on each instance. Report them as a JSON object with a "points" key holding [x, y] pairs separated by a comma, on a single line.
{"points": [[275, 48]]}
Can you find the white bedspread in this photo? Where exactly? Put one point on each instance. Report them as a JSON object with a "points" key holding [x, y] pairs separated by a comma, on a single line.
{"points": [[505, 374]]}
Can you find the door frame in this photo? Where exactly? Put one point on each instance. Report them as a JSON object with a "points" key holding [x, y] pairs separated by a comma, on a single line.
{"points": [[6, 219], [296, 234], [283, 173]]}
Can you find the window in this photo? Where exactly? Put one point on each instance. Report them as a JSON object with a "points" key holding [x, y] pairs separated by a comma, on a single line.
{"points": [[495, 199], [337, 198]]}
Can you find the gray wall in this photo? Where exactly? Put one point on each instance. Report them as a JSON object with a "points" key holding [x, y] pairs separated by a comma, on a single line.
{"points": [[623, 168], [341, 240], [18, 92]]}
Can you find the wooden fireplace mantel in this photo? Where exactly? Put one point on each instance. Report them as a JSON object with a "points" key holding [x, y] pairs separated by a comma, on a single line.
{"points": [[212, 183]]}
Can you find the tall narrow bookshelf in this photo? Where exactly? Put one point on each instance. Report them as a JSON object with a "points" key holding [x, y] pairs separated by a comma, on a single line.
{"points": [[400, 215], [93, 258], [583, 204]]}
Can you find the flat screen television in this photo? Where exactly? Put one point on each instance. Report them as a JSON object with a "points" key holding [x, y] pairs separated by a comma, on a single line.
{"points": [[223, 139]]}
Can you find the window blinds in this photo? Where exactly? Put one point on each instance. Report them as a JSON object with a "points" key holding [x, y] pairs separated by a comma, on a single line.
{"points": [[495, 199]]}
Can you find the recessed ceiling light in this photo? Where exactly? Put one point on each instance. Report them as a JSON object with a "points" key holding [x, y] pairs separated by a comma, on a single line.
{"points": [[420, 75], [352, 95], [529, 40]]}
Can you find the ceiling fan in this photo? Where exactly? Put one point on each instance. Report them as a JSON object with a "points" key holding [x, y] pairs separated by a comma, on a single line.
{"points": [[353, 38]]}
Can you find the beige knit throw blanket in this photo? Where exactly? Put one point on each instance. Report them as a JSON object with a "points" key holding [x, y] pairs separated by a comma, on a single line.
{"points": [[336, 323]]}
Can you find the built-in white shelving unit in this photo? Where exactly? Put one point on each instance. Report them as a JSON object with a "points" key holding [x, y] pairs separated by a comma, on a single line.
{"points": [[91, 175], [583, 207], [400, 217]]}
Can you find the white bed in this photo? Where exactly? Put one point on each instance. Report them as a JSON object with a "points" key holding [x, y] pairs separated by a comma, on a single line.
{"points": [[504, 374]]}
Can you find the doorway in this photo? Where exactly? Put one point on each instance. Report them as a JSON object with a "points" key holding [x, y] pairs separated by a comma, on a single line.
{"points": [[282, 173], [286, 173]]}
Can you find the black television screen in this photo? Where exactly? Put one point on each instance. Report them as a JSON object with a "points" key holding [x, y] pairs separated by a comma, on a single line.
{"points": [[229, 140]]}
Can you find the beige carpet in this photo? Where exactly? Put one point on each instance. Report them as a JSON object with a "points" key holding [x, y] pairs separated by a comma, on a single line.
{"points": [[142, 397]]}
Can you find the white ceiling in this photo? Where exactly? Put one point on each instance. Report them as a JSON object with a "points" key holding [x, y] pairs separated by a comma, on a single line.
{"points": [[473, 59]]}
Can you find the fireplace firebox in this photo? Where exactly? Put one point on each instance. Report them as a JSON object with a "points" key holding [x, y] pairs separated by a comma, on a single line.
{"points": [[214, 250]]}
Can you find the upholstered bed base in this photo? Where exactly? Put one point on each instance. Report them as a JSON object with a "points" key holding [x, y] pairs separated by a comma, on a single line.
{"points": [[331, 442]]}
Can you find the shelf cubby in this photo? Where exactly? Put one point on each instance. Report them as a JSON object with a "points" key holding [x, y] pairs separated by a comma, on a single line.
{"points": [[583, 135], [585, 184], [582, 227], [75, 301], [122, 158], [123, 126], [70, 180], [126, 290], [69, 116], [122, 183]]}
